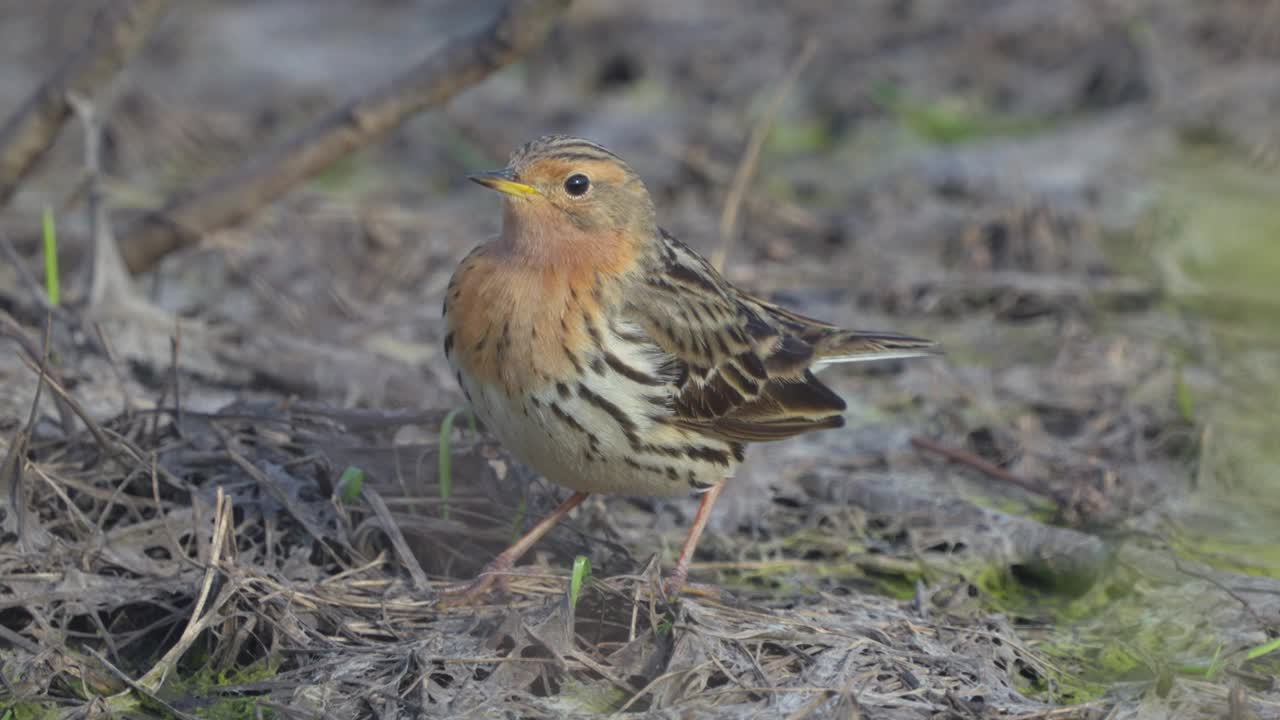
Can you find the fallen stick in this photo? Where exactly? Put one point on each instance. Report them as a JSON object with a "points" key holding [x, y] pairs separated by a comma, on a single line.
{"points": [[236, 194], [964, 457]]}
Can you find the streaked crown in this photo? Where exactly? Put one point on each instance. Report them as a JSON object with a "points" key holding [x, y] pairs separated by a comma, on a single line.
{"points": [[561, 147]]}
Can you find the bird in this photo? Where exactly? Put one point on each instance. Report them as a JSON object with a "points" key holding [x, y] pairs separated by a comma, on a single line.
{"points": [[612, 358]]}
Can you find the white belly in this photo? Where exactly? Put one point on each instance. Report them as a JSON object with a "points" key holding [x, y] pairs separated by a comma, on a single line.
{"points": [[602, 432]]}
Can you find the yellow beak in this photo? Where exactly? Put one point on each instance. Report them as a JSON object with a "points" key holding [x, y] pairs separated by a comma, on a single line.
{"points": [[504, 182]]}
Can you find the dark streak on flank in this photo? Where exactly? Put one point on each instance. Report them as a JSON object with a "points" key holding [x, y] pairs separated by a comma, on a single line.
{"points": [[624, 421], [573, 359], [563, 390], [629, 372], [591, 329], [645, 467], [500, 347], [707, 454], [448, 343], [569, 420], [667, 450]]}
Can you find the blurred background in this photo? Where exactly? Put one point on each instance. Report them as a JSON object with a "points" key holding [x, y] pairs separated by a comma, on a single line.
{"points": [[1079, 199]]}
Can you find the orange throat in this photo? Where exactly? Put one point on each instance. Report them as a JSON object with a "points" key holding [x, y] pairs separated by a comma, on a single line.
{"points": [[524, 311]]}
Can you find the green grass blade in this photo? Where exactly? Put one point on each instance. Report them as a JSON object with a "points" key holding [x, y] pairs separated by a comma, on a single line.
{"points": [[51, 277], [446, 459], [1263, 649], [581, 573], [350, 484]]}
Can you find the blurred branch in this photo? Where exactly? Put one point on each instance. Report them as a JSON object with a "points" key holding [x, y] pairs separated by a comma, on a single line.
{"points": [[118, 30], [236, 194]]}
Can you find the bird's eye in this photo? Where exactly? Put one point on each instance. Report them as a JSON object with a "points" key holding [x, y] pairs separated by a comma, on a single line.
{"points": [[577, 185]]}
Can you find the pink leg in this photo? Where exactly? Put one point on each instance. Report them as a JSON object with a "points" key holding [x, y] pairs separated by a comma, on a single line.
{"points": [[493, 572], [675, 581]]}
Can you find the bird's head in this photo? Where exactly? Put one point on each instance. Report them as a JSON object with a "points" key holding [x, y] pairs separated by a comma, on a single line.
{"points": [[566, 194]]}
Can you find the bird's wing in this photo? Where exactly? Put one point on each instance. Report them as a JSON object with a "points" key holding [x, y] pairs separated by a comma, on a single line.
{"points": [[741, 366]]}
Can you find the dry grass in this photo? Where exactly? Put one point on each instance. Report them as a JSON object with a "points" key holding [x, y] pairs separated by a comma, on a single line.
{"points": [[177, 539]]}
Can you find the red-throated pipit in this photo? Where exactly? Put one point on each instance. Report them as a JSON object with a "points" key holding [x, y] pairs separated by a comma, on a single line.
{"points": [[612, 358]]}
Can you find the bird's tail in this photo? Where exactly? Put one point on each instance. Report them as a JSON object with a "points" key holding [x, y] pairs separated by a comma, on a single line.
{"points": [[859, 346], [832, 344]]}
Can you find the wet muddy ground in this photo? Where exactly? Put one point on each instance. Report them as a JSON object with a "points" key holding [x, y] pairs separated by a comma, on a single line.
{"points": [[1072, 514]]}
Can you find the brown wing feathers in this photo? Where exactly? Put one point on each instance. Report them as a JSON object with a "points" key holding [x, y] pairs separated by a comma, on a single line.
{"points": [[744, 364]]}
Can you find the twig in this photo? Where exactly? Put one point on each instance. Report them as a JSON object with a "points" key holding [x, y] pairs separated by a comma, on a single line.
{"points": [[272, 487], [38, 357], [175, 348], [964, 457], [11, 470], [234, 195], [41, 296], [138, 688], [36, 290], [1237, 703], [601, 670], [18, 640], [1204, 577], [108, 279], [118, 30], [751, 156], [114, 362], [92, 163], [110, 287], [178, 552], [24, 274], [112, 451], [389, 526], [155, 677], [620, 712]]}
